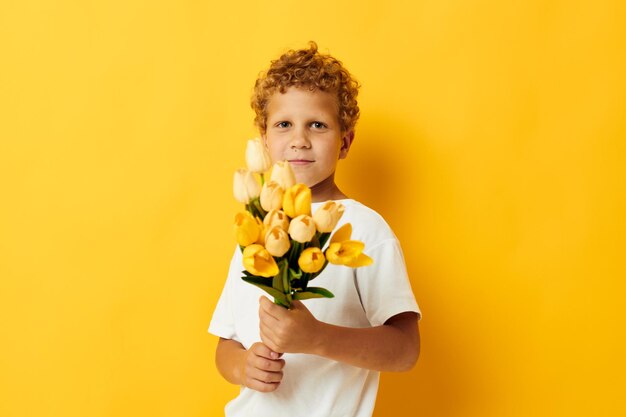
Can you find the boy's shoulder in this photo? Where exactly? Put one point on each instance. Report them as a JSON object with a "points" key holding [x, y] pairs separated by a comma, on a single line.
{"points": [[367, 224]]}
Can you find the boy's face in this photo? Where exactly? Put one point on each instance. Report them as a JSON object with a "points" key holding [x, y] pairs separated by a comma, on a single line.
{"points": [[303, 128]]}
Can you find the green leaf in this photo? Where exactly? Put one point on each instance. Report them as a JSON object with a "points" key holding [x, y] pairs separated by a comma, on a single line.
{"points": [[313, 292], [277, 281], [279, 298], [295, 274]]}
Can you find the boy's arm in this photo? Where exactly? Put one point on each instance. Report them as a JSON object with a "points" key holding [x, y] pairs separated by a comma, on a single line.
{"points": [[258, 368], [394, 346]]}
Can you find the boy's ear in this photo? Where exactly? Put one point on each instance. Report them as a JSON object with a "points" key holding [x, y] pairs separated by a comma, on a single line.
{"points": [[346, 142]]}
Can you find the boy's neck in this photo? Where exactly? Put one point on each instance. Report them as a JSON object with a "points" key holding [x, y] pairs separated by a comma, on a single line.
{"points": [[326, 190]]}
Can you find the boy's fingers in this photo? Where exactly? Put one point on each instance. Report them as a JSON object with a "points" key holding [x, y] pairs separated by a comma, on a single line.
{"points": [[260, 349], [263, 374], [261, 386], [270, 308], [267, 316], [266, 365], [270, 339]]}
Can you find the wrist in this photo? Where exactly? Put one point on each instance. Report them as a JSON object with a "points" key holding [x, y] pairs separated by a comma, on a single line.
{"points": [[320, 339]]}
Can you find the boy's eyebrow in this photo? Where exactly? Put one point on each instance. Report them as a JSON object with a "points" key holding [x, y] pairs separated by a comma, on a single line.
{"points": [[279, 116]]}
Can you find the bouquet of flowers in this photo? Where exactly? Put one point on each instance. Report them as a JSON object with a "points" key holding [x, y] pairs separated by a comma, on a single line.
{"points": [[284, 245]]}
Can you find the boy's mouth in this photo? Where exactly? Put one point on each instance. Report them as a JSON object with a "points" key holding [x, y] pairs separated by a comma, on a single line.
{"points": [[300, 161]]}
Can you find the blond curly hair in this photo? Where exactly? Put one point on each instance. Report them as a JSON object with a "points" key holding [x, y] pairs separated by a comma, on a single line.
{"points": [[307, 68]]}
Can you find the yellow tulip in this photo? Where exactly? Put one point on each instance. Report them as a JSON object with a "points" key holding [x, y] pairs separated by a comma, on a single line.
{"points": [[276, 218], [271, 196], [262, 230], [283, 174], [311, 260], [297, 201], [327, 216], [277, 241], [257, 157], [247, 228], [342, 234], [348, 253], [245, 186], [302, 228], [258, 261]]}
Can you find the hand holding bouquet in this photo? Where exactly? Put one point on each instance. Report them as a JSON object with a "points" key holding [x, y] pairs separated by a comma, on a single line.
{"points": [[284, 245]]}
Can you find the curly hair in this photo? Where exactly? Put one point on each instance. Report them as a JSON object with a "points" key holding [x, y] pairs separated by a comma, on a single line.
{"points": [[307, 68]]}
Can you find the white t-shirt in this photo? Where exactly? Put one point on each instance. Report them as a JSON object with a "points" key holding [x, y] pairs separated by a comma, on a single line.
{"points": [[314, 386]]}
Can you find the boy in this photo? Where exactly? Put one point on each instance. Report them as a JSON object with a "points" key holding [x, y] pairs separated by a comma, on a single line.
{"points": [[323, 358]]}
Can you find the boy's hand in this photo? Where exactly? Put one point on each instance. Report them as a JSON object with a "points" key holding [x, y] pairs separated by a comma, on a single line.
{"points": [[283, 330], [262, 368]]}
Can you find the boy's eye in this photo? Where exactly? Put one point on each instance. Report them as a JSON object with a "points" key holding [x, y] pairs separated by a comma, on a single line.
{"points": [[318, 125], [283, 124]]}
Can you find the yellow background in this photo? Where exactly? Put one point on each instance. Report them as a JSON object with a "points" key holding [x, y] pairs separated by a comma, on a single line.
{"points": [[492, 138]]}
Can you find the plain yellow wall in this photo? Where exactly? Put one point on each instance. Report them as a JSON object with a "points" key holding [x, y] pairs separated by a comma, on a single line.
{"points": [[492, 138]]}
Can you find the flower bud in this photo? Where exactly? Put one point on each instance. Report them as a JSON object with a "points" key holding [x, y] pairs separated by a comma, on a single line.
{"points": [[276, 218], [257, 157], [283, 174], [247, 228], [297, 201], [277, 241], [311, 260], [245, 186], [302, 229], [272, 196], [258, 261], [327, 216]]}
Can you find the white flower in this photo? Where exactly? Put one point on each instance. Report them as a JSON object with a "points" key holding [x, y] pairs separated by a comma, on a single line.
{"points": [[271, 196], [302, 228], [245, 186], [283, 174], [327, 216], [257, 157]]}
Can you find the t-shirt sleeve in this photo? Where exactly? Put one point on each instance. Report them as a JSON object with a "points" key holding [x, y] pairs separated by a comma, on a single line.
{"points": [[384, 286], [223, 323]]}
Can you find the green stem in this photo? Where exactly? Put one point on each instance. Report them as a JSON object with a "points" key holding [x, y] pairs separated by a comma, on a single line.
{"points": [[260, 212], [286, 285], [295, 253]]}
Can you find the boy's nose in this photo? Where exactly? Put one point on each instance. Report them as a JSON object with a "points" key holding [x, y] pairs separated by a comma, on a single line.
{"points": [[299, 140]]}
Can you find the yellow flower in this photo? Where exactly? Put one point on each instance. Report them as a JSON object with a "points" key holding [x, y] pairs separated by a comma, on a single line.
{"points": [[297, 200], [343, 251], [277, 241], [247, 228], [257, 157], [327, 216], [283, 174], [343, 233], [271, 196], [348, 253], [311, 260], [258, 261], [302, 228], [276, 218], [245, 186]]}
